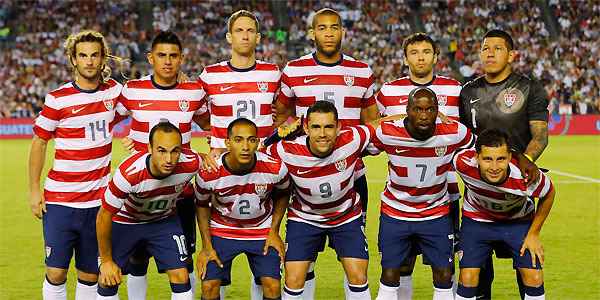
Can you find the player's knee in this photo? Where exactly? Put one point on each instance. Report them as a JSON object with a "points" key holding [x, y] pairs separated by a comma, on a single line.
{"points": [[294, 281], [442, 276], [390, 277], [210, 289], [178, 275], [469, 278], [357, 277], [56, 276], [271, 287], [89, 277], [533, 278]]}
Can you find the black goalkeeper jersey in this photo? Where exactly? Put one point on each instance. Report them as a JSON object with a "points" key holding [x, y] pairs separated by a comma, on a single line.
{"points": [[508, 105]]}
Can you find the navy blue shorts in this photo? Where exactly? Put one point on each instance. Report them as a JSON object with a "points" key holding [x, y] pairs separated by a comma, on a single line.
{"points": [[398, 238], [186, 210], [68, 230], [304, 241], [164, 240], [477, 239], [227, 249]]}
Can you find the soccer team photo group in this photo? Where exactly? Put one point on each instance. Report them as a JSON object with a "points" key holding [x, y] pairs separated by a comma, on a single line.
{"points": [[284, 174]]}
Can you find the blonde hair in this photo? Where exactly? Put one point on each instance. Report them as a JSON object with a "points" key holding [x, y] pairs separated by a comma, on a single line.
{"points": [[94, 37], [242, 13]]}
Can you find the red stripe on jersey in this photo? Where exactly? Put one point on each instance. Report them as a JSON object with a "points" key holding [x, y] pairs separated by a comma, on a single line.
{"points": [[240, 88], [322, 79], [438, 211], [86, 109], [64, 92], [227, 110], [69, 133], [242, 233], [51, 113], [162, 105], [79, 176], [74, 197], [140, 126], [42, 133], [419, 191], [83, 154], [335, 218], [353, 102]]}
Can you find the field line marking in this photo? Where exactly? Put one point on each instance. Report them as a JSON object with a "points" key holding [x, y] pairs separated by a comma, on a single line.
{"points": [[588, 179]]}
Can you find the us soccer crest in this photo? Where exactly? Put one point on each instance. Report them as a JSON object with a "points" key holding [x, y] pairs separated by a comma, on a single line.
{"points": [[440, 151], [263, 87], [349, 80], [442, 100], [509, 99], [179, 188], [261, 189], [340, 165], [108, 103], [184, 105]]}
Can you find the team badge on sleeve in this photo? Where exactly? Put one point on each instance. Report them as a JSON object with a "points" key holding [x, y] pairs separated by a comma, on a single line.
{"points": [[349, 80], [263, 87], [261, 189], [440, 151], [340, 165], [184, 105], [108, 103]]}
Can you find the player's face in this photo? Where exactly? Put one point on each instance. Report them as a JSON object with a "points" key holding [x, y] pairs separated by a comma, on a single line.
{"points": [[422, 114], [322, 130], [166, 61], [495, 55], [242, 143], [328, 34], [165, 150], [243, 36], [88, 59], [493, 163], [420, 58]]}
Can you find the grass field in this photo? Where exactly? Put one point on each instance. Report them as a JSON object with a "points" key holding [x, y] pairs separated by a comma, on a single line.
{"points": [[571, 234]]}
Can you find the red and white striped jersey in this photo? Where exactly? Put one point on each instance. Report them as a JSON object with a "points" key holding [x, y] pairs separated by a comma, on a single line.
{"points": [[323, 191], [392, 98], [240, 93], [243, 205], [148, 103], [510, 200], [81, 124], [416, 187], [349, 84], [135, 196]]}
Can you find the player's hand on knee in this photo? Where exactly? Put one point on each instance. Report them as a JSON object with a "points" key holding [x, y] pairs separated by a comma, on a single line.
{"points": [[534, 245], [128, 144], [274, 240], [110, 274], [205, 256], [37, 203]]}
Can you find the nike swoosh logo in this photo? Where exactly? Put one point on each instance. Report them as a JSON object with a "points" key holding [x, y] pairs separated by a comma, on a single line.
{"points": [[398, 151], [303, 172], [142, 105], [225, 192], [474, 100], [224, 88], [183, 258], [77, 110], [307, 80]]}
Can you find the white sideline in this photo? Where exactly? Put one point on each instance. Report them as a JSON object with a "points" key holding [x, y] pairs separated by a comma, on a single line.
{"points": [[588, 179]]}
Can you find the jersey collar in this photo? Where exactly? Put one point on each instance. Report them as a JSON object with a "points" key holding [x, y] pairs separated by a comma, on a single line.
{"points": [[339, 62]]}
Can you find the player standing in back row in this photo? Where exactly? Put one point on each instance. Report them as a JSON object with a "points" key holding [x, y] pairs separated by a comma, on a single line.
{"points": [[329, 75], [79, 116]]}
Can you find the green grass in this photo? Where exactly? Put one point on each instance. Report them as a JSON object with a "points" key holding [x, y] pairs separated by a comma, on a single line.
{"points": [[571, 234]]}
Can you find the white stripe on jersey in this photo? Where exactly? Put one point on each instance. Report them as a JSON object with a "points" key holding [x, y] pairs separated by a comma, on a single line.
{"points": [[416, 187]]}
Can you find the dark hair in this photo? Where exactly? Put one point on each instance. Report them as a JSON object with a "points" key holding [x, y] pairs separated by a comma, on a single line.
{"points": [[501, 34], [492, 138], [163, 126], [326, 11], [322, 107], [419, 92], [239, 121], [167, 37], [419, 37]]}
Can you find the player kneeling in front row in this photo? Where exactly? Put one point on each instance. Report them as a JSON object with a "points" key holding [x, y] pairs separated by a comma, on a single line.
{"points": [[499, 208], [138, 210], [251, 195]]}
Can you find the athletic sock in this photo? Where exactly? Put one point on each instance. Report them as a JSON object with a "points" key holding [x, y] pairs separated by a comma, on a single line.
{"points": [[85, 290], [51, 291]]}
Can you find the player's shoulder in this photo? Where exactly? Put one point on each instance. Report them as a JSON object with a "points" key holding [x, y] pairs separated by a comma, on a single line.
{"points": [[452, 127], [66, 89], [133, 164], [219, 67], [111, 83], [144, 82], [267, 163], [351, 62], [475, 83], [266, 66], [445, 80], [306, 60], [402, 81], [465, 159]]}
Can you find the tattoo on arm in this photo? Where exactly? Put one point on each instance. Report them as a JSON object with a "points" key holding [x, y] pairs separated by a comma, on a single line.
{"points": [[539, 139]]}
